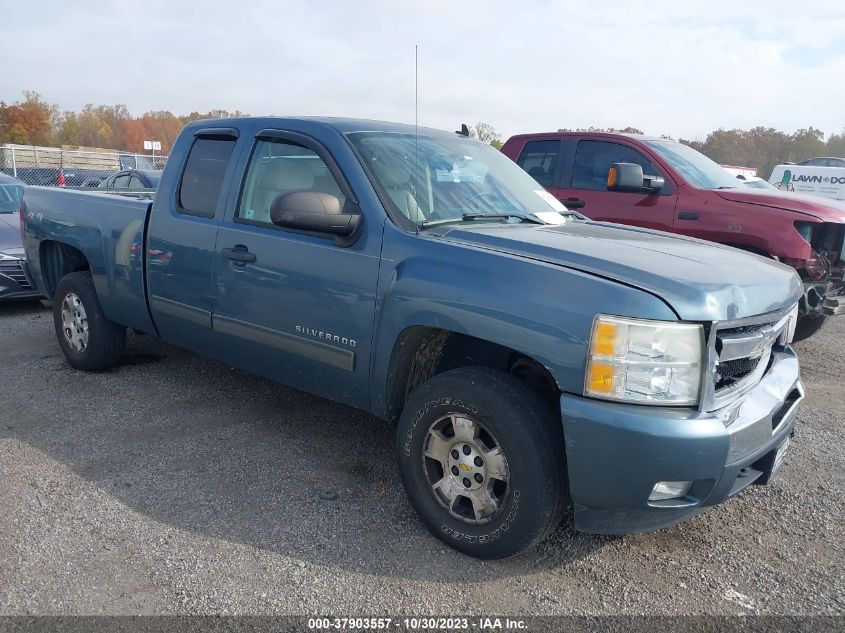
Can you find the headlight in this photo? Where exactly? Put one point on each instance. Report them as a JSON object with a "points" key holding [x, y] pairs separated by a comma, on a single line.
{"points": [[653, 362]]}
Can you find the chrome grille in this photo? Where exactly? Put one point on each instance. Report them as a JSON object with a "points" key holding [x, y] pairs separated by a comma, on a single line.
{"points": [[14, 270], [730, 372], [739, 354]]}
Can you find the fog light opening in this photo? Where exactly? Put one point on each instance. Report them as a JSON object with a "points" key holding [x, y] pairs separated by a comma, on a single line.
{"points": [[669, 490]]}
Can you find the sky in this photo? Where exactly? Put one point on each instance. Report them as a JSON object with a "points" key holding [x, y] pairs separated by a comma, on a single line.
{"points": [[681, 68]]}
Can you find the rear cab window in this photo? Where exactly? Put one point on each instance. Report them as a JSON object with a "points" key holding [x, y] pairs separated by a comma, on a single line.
{"points": [[540, 159], [203, 176], [594, 158]]}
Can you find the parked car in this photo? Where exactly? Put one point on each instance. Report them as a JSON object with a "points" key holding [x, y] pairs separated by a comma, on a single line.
{"points": [[14, 280], [132, 179], [684, 192], [532, 360], [823, 161], [59, 177], [756, 183], [809, 179]]}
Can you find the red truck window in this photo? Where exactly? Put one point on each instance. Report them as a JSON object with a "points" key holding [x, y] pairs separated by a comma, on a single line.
{"points": [[539, 159], [594, 158]]}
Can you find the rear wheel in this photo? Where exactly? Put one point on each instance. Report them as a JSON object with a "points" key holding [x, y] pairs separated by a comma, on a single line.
{"points": [[88, 340], [482, 460]]}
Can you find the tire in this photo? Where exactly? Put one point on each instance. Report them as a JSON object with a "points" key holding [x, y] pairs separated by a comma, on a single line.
{"points": [[531, 497], [807, 326], [88, 340]]}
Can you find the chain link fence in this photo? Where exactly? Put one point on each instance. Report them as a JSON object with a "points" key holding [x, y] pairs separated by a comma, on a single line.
{"points": [[54, 167]]}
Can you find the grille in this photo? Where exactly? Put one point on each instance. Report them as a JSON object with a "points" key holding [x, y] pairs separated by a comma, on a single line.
{"points": [[14, 270], [730, 372], [740, 352]]}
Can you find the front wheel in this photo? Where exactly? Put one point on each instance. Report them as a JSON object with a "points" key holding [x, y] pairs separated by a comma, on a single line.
{"points": [[88, 339], [482, 460], [807, 326]]}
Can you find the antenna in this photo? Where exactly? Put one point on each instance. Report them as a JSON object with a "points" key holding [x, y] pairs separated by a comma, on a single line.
{"points": [[416, 122], [416, 88]]}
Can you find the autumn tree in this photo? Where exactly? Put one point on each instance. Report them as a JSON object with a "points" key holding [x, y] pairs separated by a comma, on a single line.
{"points": [[486, 133], [28, 122]]}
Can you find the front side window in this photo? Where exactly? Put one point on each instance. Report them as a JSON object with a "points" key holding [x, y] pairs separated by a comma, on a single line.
{"points": [[430, 178], [203, 176], [121, 181], [279, 167], [594, 158], [10, 197], [539, 159]]}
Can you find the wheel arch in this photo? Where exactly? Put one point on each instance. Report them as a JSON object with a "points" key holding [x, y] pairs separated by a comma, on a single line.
{"points": [[421, 352], [58, 259]]}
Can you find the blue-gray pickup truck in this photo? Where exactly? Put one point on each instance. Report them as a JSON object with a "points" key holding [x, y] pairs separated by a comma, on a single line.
{"points": [[535, 363]]}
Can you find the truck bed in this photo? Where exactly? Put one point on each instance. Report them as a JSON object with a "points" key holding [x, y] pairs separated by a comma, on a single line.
{"points": [[108, 230]]}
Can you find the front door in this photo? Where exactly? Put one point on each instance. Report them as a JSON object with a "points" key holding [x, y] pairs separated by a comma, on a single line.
{"points": [[584, 187], [295, 307]]}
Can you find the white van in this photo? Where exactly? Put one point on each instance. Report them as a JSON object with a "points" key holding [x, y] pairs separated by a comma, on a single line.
{"points": [[822, 181]]}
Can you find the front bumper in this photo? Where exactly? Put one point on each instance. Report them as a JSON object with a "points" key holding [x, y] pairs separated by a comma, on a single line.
{"points": [[616, 453], [15, 282], [823, 298]]}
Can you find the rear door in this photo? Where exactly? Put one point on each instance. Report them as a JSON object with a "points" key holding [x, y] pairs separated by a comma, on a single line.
{"points": [[293, 306], [583, 185], [542, 160], [181, 239]]}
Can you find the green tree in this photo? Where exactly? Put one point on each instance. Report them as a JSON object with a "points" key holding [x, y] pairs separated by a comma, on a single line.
{"points": [[486, 133], [836, 145]]}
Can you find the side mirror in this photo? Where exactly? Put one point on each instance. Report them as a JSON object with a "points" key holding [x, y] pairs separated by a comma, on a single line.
{"points": [[314, 211], [629, 177]]}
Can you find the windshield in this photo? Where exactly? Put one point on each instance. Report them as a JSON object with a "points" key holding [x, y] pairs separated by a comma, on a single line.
{"points": [[430, 179], [759, 184], [10, 197], [695, 167]]}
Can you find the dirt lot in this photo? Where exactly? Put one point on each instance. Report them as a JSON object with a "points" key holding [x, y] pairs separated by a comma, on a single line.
{"points": [[175, 484]]}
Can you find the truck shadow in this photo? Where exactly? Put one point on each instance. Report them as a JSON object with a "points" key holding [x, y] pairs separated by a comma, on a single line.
{"points": [[202, 447]]}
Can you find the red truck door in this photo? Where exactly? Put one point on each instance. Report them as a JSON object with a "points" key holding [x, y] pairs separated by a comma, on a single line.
{"points": [[583, 186]]}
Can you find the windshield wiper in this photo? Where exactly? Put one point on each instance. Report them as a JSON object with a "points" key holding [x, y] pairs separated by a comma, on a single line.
{"points": [[474, 217], [468, 217]]}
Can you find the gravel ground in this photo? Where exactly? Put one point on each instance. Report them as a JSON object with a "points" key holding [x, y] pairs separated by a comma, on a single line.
{"points": [[177, 485]]}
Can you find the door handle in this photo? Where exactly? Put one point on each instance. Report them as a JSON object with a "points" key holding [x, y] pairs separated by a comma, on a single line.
{"points": [[239, 254], [573, 203], [687, 215]]}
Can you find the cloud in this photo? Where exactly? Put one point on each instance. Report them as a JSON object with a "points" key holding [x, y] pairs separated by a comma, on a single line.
{"points": [[665, 67]]}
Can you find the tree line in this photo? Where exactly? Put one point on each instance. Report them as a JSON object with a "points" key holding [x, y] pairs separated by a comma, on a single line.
{"points": [[34, 121]]}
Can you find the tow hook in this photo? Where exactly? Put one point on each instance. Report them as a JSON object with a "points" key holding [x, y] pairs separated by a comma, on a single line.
{"points": [[833, 306]]}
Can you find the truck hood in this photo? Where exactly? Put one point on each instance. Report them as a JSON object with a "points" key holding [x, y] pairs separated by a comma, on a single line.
{"points": [[10, 233], [699, 280], [824, 209]]}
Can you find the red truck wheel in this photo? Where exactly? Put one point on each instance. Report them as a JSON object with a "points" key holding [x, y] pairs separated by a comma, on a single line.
{"points": [[88, 340], [482, 460]]}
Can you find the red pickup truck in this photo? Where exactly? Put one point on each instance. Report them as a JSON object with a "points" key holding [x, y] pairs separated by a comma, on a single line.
{"points": [[665, 185]]}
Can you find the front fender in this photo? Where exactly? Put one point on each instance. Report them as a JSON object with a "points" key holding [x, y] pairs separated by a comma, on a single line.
{"points": [[541, 310]]}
